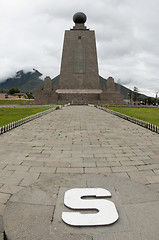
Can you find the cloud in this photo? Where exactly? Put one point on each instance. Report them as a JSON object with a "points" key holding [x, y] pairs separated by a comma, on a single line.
{"points": [[127, 37]]}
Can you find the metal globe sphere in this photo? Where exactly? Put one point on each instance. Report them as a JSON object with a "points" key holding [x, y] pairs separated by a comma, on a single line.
{"points": [[79, 17]]}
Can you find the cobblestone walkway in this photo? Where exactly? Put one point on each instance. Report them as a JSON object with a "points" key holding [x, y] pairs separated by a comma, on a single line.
{"points": [[77, 140]]}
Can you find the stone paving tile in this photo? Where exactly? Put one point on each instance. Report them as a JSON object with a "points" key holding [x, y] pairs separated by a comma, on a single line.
{"points": [[4, 197], [10, 160], [125, 154], [119, 174], [98, 170], [10, 188], [147, 167], [70, 170], [153, 179], [154, 156], [150, 161], [108, 164], [42, 160], [11, 180], [142, 180], [60, 154], [30, 178], [5, 173], [2, 166], [33, 163], [132, 163], [1, 228], [141, 174], [2, 208], [17, 168], [82, 154], [156, 171], [85, 164], [58, 164], [39, 155], [37, 223], [124, 169], [108, 155], [137, 158], [90, 159], [154, 186], [72, 160], [42, 169], [79, 140], [118, 159]]}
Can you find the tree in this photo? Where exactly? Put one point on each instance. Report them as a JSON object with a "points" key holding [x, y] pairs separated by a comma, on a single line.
{"points": [[157, 100], [130, 95], [135, 94], [149, 100], [12, 91], [30, 95]]}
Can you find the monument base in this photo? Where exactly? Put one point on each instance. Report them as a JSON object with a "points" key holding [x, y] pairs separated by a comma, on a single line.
{"points": [[46, 98], [79, 96], [111, 98], [52, 94]]}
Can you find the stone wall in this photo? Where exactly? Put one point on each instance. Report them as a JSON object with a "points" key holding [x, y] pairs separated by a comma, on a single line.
{"points": [[82, 98], [47, 95], [110, 95], [111, 98]]}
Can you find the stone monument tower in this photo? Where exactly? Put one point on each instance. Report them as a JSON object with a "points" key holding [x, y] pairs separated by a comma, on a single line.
{"points": [[79, 78], [78, 82]]}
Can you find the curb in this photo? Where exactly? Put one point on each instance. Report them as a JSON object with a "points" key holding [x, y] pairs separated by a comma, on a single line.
{"points": [[18, 123], [141, 123]]}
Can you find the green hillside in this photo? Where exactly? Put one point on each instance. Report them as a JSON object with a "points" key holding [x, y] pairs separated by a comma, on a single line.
{"points": [[26, 82]]}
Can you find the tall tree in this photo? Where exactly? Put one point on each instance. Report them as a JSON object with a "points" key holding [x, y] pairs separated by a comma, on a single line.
{"points": [[135, 94], [130, 95], [157, 100]]}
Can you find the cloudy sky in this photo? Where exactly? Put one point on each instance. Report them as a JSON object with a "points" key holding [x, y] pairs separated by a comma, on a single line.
{"points": [[127, 35]]}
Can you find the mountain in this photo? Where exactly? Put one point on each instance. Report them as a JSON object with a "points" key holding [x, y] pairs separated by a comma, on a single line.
{"points": [[26, 82], [31, 82]]}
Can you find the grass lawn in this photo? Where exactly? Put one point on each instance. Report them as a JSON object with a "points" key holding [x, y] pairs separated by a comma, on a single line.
{"points": [[11, 114], [150, 115], [16, 101]]}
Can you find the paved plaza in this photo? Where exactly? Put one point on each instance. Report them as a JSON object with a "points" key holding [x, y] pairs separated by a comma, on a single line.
{"points": [[79, 146]]}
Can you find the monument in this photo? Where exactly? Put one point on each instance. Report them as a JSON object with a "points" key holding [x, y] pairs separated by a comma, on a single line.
{"points": [[79, 77]]}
